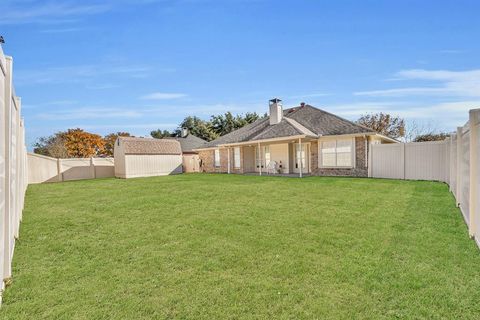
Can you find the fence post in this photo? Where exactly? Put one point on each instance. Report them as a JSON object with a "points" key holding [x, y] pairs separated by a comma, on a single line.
{"points": [[458, 194], [370, 159], [403, 159], [474, 116], [92, 168], [7, 269], [18, 154], [59, 170], [452, 172]]}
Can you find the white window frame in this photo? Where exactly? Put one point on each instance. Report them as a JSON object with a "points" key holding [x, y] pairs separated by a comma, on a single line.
{"points": [[352, 146], [216, 158], [236, 157]]}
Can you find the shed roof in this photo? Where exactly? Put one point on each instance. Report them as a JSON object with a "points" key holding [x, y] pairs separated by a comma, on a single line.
{"points": [[133, 145]]}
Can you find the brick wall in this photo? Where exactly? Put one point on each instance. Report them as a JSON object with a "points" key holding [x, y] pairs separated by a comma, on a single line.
{"points": [[208, 161], [360, 169]]}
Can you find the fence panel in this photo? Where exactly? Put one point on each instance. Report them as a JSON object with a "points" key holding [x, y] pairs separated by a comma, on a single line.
{"points": [[464, 172], [456, 161], [12, 168], [453, 163], [47, 169], [415, 161], [425, 161], [388, 161]]}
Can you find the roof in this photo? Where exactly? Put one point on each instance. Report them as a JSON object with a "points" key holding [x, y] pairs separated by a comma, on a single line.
{"points": [[189, 142], [133, 145], [302, 120]]}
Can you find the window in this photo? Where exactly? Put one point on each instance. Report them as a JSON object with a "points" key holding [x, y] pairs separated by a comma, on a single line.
{"points": [[217, 158], [337, 153], [236, 157]]}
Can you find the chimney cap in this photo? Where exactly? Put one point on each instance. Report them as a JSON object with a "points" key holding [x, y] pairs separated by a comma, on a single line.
{"points": [[302, 104], [275, 100]]}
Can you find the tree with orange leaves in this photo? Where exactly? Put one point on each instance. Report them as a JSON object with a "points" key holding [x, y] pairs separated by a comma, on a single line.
{"points": [[110, 141], [82, 144]]}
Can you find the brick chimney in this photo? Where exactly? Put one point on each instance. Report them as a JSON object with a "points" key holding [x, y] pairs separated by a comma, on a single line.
{"points": [[276, 111]]}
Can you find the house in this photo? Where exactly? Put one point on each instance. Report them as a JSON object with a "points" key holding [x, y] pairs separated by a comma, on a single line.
{"points": [[145, 157], [300, 140], [189, 143]]}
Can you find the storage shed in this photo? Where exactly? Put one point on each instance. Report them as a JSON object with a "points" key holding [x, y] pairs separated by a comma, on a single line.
{"points": [[145, 157]]}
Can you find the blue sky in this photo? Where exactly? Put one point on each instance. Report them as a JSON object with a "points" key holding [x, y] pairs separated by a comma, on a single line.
{"points": [[140, 65]]}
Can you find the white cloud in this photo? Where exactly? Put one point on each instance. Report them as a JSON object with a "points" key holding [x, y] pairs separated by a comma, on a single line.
{"points": [[447, 83], [163, 96], [310, 95], [45, 12], [78, 73], [445, 115], [89, 113]]}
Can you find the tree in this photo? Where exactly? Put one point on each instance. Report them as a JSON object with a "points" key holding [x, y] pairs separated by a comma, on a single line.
{"points": [[431, 137], [110, 141], [198, 128], [384, 123], [226, 123], [159, 134], [51, 146], [82, 144], [73, 143]]}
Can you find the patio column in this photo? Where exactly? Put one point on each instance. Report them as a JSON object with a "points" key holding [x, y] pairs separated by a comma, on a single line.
{"points": [[228, 160], [260, 158], [300, 154]]}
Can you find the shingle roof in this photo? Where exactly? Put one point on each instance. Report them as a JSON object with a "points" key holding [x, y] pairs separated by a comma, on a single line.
{"points": [[189, 142], [324, 123], [301, 120], [133, 145]]}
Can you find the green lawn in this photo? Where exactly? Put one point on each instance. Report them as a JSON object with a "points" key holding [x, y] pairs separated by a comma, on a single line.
{"points": [[227, 246]]}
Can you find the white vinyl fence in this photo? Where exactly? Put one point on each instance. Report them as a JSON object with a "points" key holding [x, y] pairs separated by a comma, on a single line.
{"points": [[13, 178], [46, 169], [454, 161]]}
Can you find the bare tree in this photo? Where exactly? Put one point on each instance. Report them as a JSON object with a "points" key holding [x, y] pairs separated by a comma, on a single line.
{"points": [[422, 131], [384, 123]]}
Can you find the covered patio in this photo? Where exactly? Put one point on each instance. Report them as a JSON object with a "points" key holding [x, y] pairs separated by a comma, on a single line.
{"points": [[288, 156]]}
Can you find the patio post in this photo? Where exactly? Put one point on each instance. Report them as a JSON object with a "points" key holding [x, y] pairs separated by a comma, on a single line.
{"points": [[300, 154], [260, 158], [228, 160]]}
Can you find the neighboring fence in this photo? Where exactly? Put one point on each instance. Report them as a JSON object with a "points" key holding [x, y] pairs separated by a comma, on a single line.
{"points": [[13, 163], [46, 169], [414, 161], [454, 161]]}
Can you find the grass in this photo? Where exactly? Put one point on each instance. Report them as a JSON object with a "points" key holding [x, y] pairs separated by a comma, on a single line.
{"points": [[230, 247]]}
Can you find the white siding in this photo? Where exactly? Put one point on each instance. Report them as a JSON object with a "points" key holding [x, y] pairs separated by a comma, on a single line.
{"points": [[152, 165], [119, 156], [279, 153]]}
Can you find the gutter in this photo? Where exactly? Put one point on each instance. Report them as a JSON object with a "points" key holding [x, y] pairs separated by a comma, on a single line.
{"points": [[253, 142]]}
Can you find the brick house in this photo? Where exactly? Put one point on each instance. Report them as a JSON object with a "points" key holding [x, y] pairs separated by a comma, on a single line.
{"points": [[302, 140]]}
